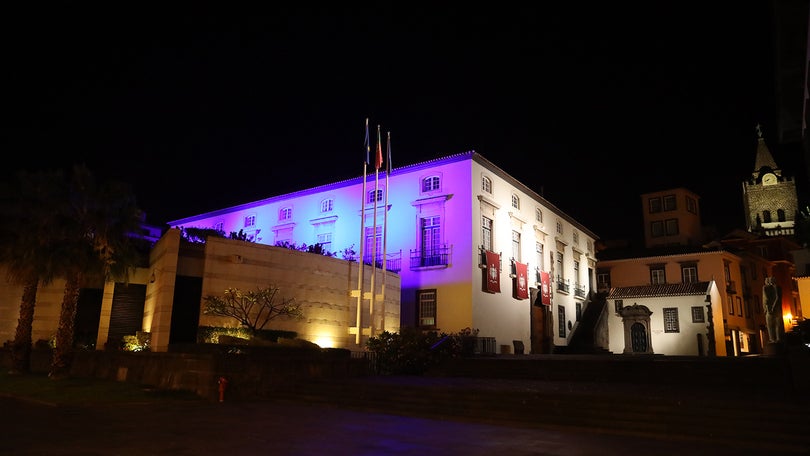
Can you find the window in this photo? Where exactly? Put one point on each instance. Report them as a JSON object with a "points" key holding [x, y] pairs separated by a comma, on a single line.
{"points": [[669, 203], [780, 215], [486, 233], [560, 271], [219, 226], [373, 247], [655, 205], [538, 216], [325, 240], [697, 314], [656, 229], [538, 250], [766, 216], [327, 205], [689, 274], [618, 305], [576, 272], [486, 184], [739, 306], [575, 235], [691, 205], [516, 245], [578, 311], [561, 320], [250, 220], [379, 194], [559, 227], [427, 307], [430, 183], [285, 213], [431, 235], [671, 226], [671, 320], [658, 275], [515, 201], [602, 280]]}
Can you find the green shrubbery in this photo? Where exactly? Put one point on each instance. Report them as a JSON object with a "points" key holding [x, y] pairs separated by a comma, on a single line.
{"points": [[413, 352]]}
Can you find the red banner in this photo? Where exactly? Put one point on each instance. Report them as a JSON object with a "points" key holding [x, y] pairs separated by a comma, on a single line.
{"points": [[520, 286], [545, 288], [492, 274]]}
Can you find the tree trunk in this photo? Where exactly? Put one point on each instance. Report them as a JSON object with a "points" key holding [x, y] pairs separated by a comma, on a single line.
{"points": [[21, 349], [63, 352]]}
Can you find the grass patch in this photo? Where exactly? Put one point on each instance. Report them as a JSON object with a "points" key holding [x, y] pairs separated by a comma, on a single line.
{"points": [[83, 391]]}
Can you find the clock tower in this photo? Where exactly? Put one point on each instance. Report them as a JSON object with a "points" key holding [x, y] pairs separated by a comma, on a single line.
{"points": [[769, 198]]}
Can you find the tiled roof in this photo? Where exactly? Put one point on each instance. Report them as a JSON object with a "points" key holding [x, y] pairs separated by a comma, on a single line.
{"points": [[651, 291]]}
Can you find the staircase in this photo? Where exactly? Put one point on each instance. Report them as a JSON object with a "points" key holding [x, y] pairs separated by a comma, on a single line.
{"points": [[582, 340], [744, 405]]}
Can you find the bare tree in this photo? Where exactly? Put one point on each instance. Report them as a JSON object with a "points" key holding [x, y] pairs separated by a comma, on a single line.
{"points": [[252, 309]]}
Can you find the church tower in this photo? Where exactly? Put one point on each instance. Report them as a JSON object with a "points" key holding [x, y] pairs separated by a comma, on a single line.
{"points": [[769, 198]]}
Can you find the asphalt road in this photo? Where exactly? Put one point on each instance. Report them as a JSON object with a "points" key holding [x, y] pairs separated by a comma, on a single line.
{"points": [[190, 427]]}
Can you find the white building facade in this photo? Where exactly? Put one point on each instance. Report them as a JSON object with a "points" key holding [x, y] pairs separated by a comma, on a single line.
{"points": [[472, 246]]}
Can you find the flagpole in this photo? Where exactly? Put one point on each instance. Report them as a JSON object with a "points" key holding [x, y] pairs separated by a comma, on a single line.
{"points": [[374, 246], [385, 228], [362, 242]]}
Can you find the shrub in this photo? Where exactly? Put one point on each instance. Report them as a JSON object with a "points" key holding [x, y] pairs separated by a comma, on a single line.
{"points": [[413, 352]]}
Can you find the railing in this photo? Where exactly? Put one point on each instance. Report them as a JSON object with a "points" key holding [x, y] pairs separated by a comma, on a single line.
{"points": [[562, 285], [579, 291], [393, 261], [439, 256]]}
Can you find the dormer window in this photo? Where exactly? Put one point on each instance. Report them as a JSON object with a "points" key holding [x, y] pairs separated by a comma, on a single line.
{"points": [[431, 183]]}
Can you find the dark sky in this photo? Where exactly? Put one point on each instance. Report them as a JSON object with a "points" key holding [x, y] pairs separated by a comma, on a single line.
{"points": [[203, 107]]}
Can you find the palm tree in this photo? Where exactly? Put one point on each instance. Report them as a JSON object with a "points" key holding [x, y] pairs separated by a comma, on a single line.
{"points": [[100, 222], [27, 234]]}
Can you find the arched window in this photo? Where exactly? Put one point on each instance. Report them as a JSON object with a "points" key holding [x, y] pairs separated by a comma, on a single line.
{"points": [[486, 184], [430, 183], [766, 216], [285, 213], [780, 215], [515, 201], [371, 199], [327, 205]]}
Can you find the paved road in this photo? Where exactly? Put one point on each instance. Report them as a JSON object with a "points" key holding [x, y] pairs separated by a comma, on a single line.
{"points": [[195, 428]]}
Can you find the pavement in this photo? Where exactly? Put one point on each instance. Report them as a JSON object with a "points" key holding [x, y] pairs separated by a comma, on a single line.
{"points": [[186, 427]]}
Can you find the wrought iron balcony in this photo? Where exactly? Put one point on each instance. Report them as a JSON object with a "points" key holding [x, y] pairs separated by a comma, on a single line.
{"points": [[439, 256], [393, 261], [562, 285], [579, 291]]}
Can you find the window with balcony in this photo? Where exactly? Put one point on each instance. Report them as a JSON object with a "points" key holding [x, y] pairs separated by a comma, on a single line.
{"points": [[431, 251], [486, 233]]}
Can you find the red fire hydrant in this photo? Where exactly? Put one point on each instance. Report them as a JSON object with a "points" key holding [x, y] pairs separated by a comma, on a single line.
{"points": [[223, 383]]}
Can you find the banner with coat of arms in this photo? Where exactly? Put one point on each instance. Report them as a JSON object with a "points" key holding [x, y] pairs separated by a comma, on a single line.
{"points": [[492, 273], [520, 285]]}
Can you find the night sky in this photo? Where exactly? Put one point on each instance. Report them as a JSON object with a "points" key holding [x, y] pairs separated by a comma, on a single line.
{"points": [[201, 108]]}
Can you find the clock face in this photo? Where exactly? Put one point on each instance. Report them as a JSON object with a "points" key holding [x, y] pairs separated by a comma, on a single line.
{"points": [[768, 179]]}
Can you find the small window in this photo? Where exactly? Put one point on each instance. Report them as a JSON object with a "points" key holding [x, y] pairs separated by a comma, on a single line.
{"points": [[285, 213], [327, 205], [379, 194], [538, 215], [486, 184], [669, 203], [250, 220], [427, 308], [671, 226], [618, 305], [697, 314], [658, 275], [430, 183], [559, 227], [691, 205], [671, 324], [575, 235], [515, 201], [655, 205], [689, 274]]}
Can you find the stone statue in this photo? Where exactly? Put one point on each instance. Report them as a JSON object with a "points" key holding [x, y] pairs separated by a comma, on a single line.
{"points": [[772, 302]]}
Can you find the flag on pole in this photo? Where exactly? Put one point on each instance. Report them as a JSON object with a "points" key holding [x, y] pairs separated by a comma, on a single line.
{"points": [[388, 163], [379, 161], [367, 144]]}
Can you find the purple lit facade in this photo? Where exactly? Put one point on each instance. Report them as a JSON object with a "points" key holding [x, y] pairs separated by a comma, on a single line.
{"points": [[434, 226]]}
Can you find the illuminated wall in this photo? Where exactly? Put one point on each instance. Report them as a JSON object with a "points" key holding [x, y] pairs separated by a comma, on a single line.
{"points": [[429, 217]]}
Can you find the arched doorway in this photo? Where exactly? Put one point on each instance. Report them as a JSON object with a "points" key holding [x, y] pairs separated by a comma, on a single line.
{"points": [[636, 320]]}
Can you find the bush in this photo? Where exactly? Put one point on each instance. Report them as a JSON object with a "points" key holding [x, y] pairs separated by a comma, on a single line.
{"points": [[413, 352]]}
